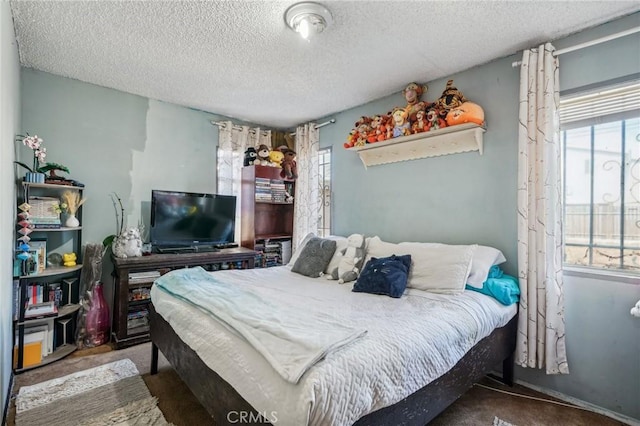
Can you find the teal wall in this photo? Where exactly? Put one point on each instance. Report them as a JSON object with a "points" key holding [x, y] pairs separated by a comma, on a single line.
{"points": [[9, 125], [469, 198], [115, 142]]}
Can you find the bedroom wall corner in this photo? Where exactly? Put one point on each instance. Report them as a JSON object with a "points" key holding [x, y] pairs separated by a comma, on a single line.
{"points": [[9, 127]]}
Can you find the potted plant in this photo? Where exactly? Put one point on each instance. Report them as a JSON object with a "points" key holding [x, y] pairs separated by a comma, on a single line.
{"points": [[39, 153]]}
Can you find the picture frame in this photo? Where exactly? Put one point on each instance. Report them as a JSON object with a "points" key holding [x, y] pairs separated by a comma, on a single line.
{"points": [[39, 246]]}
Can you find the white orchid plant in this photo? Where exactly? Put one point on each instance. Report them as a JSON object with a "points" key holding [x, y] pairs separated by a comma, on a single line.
{"points": [[39, 152]]}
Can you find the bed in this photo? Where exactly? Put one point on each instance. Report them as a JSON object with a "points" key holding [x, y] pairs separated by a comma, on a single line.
{"points": [[410, 364]]}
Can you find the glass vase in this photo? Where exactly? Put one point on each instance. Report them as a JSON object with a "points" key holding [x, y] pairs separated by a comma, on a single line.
{"points": [[97, 321]]}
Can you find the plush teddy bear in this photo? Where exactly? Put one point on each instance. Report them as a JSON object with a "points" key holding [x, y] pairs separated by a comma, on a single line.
{"points": [[128, 244], [69, 259], [263, 156], [289, 165], [250, 156], [351, 261], [275, 157]]}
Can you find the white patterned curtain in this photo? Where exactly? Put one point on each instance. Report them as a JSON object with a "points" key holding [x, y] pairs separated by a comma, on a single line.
{"points": [[541, 333], [232, 143], [306, 207]]}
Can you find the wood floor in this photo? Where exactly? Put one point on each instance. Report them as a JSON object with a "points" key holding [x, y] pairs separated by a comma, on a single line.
{"points": [[479, 406]]}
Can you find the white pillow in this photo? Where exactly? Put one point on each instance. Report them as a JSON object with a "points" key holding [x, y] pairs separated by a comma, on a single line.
{"points": [[483, 259], [439, 268]]}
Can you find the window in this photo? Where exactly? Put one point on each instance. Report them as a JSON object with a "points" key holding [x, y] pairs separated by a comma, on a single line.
{"points": [[600, 133], [324, 180]]}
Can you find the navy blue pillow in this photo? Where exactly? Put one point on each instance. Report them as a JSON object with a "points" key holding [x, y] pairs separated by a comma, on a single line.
{"points": [[385, 275]]}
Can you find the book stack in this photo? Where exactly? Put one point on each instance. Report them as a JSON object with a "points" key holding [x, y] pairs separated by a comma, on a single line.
{"points": [[41, 309], [277, 191], [38, 343], [137, 321], [263, 189], [44, 212], [272, 255]]}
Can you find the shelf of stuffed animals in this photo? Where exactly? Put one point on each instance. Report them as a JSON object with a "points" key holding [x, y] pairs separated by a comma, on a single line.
{"points": [[448, 140]]}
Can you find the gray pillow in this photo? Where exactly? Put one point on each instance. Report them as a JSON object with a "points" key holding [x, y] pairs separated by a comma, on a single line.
{"points": [[314, 257]]}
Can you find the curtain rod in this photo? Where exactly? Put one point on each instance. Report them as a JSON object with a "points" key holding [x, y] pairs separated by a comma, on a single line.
{"points": [[235, 127], [317, 126], [588, 43]]}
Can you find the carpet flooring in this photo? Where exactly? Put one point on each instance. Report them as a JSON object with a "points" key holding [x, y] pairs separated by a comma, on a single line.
{"points": [[481, 405]]}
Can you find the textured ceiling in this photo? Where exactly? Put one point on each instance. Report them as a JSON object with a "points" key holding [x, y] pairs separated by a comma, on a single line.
{"points": [[238, 58]]}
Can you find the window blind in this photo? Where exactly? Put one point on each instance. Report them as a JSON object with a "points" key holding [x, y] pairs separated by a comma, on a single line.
{"points": [[605, 104]]}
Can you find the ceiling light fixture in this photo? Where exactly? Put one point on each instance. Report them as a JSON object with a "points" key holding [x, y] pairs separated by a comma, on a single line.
{"points": [[307, 18]]}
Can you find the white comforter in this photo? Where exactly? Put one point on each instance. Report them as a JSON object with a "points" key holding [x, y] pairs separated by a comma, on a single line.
{"points": [[410, 342]]}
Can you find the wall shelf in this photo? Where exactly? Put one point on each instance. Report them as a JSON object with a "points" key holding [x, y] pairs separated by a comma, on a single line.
{"points": [[449, 140]]}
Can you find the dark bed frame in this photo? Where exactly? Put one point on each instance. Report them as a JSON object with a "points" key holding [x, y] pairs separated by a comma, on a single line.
{"points": [[219, 398]]}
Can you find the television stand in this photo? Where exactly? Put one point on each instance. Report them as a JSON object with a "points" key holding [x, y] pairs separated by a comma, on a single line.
{"points": [[134, 276]]}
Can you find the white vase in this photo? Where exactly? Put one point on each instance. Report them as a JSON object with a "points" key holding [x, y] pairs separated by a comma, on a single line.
{"points": [[72, 221]]}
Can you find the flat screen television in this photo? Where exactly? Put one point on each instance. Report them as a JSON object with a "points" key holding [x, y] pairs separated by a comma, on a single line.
{"points": [[188, 219]]}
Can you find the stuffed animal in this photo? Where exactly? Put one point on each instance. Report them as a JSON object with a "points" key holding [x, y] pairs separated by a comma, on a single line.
{"points": [[412, 94], [363, 126], [289, 165], [451, 97], [435, 121], [351, 261], [401, 126], [263, 156], [250, 156], [69, 259], [350, 139], [468, 112], [128, 244], [275, 157], [421, 124]]}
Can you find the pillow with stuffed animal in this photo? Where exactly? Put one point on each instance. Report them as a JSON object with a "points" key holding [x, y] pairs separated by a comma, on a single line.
{"points": [[351, 260]]}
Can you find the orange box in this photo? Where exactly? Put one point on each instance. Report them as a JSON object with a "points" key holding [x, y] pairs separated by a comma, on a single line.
{"points": [[31, 353]]}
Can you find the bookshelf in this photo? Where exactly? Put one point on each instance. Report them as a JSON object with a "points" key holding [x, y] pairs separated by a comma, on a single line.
{"points": [[134, 276], [267, 214], [49, 335]]}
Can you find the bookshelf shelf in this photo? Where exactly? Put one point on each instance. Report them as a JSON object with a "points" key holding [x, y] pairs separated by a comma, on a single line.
{"points": [[60, 352], [266, 213], [449, 140], [34, 282]]}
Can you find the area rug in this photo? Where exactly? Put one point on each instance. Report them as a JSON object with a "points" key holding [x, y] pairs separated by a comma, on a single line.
{"points": [[111, 394], [500, 422]]}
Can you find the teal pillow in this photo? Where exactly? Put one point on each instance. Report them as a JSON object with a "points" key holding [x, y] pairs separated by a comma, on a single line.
{"points": [[385, 275], [502, 287]]}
